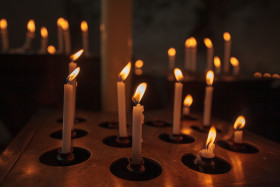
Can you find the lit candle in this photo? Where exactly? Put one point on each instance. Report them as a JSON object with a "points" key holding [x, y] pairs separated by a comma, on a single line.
{"points": [[276, 76], [121, 100], [138, 67], [208, 98], [235, 64], [217, 64], [44, 39], [210, 53], [187, 55], [51, 49], [84, 29], [4, 34], [193, 54], [208, 152], [266, 75], [238, 132], [227, 39], [60, 22], [187, 103], [29, 35], [137, 122], [177, 102], [66, 34], [258, 75], [171, 57]]}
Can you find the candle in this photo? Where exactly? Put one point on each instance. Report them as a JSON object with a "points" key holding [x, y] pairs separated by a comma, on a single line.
{"points": [[171, 57], [137, 122], [51, 49], [187, 103], [208, 152], [138, 67], [227, 39], [44, 39], [60, 22], [208, 98], [266, 75], [66, 34], [210, 53], [276, 76], [187, 55], [257, 75], [193, 54], [238, 129], [121, 100], [177, 101], [4, 34], [29, 35], [84, 29], [217, 64], [235, 64]]}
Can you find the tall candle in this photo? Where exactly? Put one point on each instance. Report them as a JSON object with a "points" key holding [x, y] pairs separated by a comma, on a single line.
{"points": [[235, 64], [238, 129], [193, 49], [227, 39], [29, 35], [210, 53], [85, 40], [121, 100], [177, 101], [51, 49], [187, 103], [171, 57], [208, 98], [44, 39], [208, 152], [138, 67], [187, 55], [217, 64], [66, 34], [60, 22], [4, 34], [137, 122]]}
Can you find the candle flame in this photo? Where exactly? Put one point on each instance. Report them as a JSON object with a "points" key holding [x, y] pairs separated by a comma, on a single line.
{"points": [[239, 123], [73, 75], [140, 90], [139, 64], [234, 62], [60, 22], [171, 52], [84, 26], [193, 42], [227, 36], [125, 72], [208, 43], [64, 24], [258, 75], [276, 76], [267, 75], [217, 62], [211, 137], [76, 55], [3, 24], [31, 26], [209, 77], [51, 49], [188, 100], [178, 74], [44, 32]]}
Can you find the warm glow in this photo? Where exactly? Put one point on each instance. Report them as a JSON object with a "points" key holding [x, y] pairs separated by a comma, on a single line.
{"points": [[239, 123], [227, 36], [208, 43], [76, 55], [31, 26], [73, 75], [171, 52], [276, 76], [60, 22], [44, 32], [64, 25], [125, 72], [51, 49], [139, 63], [234, 62], [257, 75], [211, 137], [3, 24], [84, 26], [188, 100], [209, 77], [192, 41], [217, 62], [267, 75], [178, 74], [140, 90], [187, 43]]}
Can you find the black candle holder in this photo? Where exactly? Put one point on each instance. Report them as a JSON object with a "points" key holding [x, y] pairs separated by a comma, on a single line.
{"points": [[65, 158], [76, 133], [204, 129], [110, 124], [176, 138], [244, 147], [158, 123], [116, 141]]}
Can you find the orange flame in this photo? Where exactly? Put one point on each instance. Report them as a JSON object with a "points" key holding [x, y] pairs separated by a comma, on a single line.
{"points": [[76, 55], [234, 62], [276, 76], [267, 75], [258, 75], [140, 90], [60, 22], [84, 26], [31, 26], [217, 62], [211, 137], [171, 52], [64, 25], [239, 123], [51, 49], [208, 43], [73, 75], [124, 73], [193, 42], [44, 32], [209, 77], [139, 64], [3, 24], [227, 36], [188, 100], [178, 74]]}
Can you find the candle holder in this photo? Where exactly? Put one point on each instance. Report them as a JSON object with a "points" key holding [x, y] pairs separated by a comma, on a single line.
{"points": [[238, 147], [76, 133], [76, 120], [110, 124], [116, 141], [65, 158], [204, 129], [158, 123], [177, 138]]}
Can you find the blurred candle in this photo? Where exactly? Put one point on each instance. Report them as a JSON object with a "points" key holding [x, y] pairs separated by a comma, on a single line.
{"points": [[210, 53], [137, 122], [208, 98], [208, 152], [258, 75], [44, 39], [227, 49], [187, 55], [121, 100], [235, 64], [29, 35], [217, 64], [193, 49], [67, 39], [85, 40], [276, 76], [171, 57], [60, 22], [138, 67], [177, 101], [51, 49], [238, 129], [4, 34], [187, 103]]}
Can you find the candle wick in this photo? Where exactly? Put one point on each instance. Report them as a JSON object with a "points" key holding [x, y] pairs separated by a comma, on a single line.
{"points": [[120, 78], [135, 101]]}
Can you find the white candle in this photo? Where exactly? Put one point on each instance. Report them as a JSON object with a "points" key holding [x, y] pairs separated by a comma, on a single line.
{"points": [[187, 55], [235, 64], [210, 53], [137, 122], [171, 57], [208, 98], [208, 152], [4, 34], [85, 40], [217, 64], [187, 103], [238, 126], [238, 136], [227, 39], [29, 35], [177, 101], [121, 100], [66, 34], [44, 40], [60, 22]]}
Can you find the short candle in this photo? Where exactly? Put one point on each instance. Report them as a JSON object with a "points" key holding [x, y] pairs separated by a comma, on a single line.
{"points": [[217, 64], [187, 103], [235, 64], [171, 57], [4, 34], [238, 129], [210, 53]]}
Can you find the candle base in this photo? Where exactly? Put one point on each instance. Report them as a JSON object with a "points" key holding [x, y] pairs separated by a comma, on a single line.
{"points": [[205, 164], [65, 158], [136, 168]]}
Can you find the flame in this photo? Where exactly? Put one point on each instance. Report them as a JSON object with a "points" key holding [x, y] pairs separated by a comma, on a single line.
{"points": [[209, 77], [139, 64], [187, 42], [60, 22], [239, 123], [140, 90], [171, 52], [31, 26], [3, 24], [76, 55], [73, 75], [51, 49], [276, 76], [188, 100], [84, 26], [227, 36], [178, 74], [267, 75], [208, 43], [211, 137], [234, 62], [193, 42], [64, 25], [44, 32], [217, 62], [257, 75], [124, 73]]}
